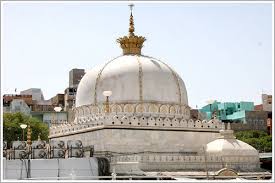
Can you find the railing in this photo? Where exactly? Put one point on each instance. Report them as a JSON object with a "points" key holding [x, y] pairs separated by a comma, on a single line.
{"points": [[188, 177]]}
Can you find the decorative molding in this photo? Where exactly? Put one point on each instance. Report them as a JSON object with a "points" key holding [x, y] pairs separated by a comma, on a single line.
{"points": [[129, 108], [140, 76], [140, 108], [164, 109], [153, 108], [116, 108], [96, 125]]}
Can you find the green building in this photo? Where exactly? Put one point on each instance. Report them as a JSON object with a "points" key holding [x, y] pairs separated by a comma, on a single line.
{"points": [[227, 111]]}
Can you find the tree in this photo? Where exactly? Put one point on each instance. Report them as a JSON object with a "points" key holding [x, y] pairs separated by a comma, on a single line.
{"points": [[12, 130], [258, 139]]}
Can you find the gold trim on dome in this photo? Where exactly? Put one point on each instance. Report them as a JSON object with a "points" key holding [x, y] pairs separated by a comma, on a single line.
{"points": [[131, 44], [140, 76]]}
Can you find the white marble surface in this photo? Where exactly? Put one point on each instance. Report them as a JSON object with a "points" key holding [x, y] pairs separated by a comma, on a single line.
{"points": [[123, 77], [71, 168], [139, 140]]}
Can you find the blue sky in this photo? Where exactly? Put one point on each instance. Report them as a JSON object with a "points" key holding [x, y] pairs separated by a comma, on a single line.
{"points": [[222, 51]]}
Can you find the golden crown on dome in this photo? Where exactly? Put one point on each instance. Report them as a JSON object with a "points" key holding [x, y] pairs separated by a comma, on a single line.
{"points": [[131, 44]]}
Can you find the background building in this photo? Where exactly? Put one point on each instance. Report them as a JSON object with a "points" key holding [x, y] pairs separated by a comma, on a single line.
{"points": [[242, 115], [75, 75], [36, 93], [227, 111], [267, 102], [266, 106], [31, 102], [58, 100], [17, 103]]}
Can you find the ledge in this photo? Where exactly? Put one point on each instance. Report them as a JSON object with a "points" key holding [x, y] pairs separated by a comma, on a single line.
{"points": [[101, 127]]}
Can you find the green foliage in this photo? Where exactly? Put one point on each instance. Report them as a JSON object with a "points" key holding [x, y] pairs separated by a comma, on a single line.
{"points": [[258, 139], [12, 130]]}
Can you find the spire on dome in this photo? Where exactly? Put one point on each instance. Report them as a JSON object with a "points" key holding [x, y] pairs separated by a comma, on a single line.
{"points": [[227, 133], [131, 44], [131, 25]]}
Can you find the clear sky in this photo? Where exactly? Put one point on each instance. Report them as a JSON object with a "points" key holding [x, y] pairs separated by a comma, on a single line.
{"points": [[222, 51]]}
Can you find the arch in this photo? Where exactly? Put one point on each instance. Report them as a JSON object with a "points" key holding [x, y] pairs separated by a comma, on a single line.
{"points": [[116, 108], [177, 108], [79, 111], [102, 108], [164, 109], [128, 108], [182, 109], [87, 109], [172, 110], [153, 108], [140, 108], [227, 172], [90, 109], [95, 110]]}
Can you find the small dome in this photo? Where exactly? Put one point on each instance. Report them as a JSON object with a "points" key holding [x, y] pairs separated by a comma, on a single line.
{"points": [[132, 78], [228, 145]]}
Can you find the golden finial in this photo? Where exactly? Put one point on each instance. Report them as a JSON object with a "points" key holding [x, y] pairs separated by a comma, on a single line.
{"points": [[131, 44], [131, 26], [29, 133]]}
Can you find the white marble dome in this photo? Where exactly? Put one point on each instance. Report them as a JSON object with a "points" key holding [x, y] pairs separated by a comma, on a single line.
{"points": [[227, 145], [132, 78]]}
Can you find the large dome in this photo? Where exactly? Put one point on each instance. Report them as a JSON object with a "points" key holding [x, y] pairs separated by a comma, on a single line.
{"points": [[132, 78]]}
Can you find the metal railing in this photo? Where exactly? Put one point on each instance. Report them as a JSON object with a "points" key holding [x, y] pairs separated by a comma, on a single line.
{"points": [[133, 177]]}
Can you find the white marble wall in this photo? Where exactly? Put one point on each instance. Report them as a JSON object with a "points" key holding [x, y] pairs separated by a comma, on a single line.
{"points": [[180, 162], [140, 140], [72, 168]]}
